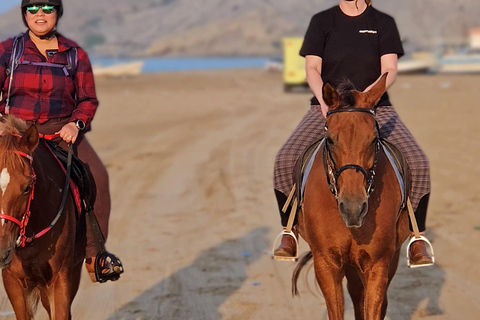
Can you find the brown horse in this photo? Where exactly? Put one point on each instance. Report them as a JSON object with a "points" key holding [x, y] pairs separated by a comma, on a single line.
{"points": [[37, 251], [357, 232]]}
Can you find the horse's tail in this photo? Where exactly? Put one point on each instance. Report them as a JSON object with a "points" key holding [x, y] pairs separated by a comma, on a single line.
{"points": [[296, 273]]}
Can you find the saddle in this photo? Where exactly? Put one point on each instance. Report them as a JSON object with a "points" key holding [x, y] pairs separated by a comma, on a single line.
{"points": [[79, 174]]}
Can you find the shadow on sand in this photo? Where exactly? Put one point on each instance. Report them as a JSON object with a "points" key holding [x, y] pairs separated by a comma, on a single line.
{"points": [[197, 291], [422, 285]]}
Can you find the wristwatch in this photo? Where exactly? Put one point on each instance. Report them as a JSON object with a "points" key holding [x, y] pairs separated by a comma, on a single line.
{"points": [[80, 125]]}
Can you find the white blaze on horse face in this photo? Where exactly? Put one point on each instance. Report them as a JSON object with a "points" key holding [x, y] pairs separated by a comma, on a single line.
{"points": [[4, 180]]}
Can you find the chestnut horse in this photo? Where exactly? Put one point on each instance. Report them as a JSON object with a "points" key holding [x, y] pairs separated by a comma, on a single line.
{"points": [[37, 250], [357, 232]]}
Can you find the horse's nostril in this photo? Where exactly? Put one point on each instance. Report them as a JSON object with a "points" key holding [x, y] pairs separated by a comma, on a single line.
{"points": [[364, 207]]}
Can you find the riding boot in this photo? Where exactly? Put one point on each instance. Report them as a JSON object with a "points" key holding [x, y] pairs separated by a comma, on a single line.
{"points": [[418, 253], [288, 245]]}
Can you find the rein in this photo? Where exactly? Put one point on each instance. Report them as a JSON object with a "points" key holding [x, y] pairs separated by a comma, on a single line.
{"points": [[23, 239], [331, 171]]}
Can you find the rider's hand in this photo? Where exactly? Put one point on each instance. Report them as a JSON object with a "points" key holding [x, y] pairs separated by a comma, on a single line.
{"points": [[69, 132]]}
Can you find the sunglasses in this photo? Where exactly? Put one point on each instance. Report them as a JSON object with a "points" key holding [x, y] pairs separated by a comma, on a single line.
{"points": [[45, 8]]}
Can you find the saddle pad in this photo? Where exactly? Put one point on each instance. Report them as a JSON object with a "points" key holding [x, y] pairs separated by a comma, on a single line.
{"points": [[308, 167], [396, 169]]}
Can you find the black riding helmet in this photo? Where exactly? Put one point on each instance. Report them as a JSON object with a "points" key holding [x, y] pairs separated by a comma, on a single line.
{"points": [[56, 3]]}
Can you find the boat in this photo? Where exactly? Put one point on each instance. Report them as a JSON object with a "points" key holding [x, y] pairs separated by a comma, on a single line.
{"points": [[274, 65], [419, 62], [118, 70], [464, 62]]}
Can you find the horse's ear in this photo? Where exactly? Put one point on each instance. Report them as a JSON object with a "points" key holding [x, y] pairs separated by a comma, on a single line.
{"points": [[376, 92], [30, 139], [330, 96]]}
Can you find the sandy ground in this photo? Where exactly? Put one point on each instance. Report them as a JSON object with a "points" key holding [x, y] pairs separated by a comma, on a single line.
{"points": [[190, 157]]}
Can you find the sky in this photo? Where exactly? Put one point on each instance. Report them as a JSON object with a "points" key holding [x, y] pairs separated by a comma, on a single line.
{"points": [[6, 5]]}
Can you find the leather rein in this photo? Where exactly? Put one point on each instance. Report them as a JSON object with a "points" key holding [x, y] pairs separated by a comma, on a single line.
{"points": [[331, 171], [23, 239]]}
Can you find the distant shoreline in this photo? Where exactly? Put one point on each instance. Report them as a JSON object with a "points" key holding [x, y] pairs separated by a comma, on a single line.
{"points": [[153, 65]]}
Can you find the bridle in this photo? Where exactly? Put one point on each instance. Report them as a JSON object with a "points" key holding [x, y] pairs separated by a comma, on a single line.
{"points": [[23, 239], [330, 167]]}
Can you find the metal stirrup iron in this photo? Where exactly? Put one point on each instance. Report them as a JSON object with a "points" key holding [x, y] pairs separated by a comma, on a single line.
{"points": [[417, 237]]}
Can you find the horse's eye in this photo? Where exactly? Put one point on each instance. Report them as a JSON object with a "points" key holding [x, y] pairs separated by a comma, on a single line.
{"points": [[27, 189], [329, 141]]}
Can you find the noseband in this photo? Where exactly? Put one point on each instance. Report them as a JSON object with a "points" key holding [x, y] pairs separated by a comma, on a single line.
{"points": [[333, 173]]}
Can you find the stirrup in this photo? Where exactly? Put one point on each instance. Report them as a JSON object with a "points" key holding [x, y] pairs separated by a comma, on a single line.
{"points": [[278, 240], [421, 238], [107, 267]]}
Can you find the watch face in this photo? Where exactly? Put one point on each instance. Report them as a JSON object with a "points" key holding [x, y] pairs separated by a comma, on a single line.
{"points": [[80, 124]]}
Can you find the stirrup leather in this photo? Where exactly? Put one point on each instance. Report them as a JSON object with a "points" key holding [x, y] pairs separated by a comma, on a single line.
{"points": [[107, 267]]}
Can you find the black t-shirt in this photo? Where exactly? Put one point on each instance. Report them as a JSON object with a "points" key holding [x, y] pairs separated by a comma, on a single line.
{"points": [[351, 47]]}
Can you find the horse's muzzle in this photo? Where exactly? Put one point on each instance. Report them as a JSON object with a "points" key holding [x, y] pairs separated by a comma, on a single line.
{"points": [[353, 212]]}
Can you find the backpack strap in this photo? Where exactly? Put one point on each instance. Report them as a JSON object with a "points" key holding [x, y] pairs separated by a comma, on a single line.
{"points": [[72, 59], [17, 52]]}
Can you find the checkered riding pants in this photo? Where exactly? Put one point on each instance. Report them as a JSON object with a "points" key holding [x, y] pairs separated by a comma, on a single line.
{"points": [[392, 129]]}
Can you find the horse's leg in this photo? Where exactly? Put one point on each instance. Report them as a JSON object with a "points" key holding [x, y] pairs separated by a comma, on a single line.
{"points": [[391, 273], [377, 280], [21, 298], [45, 302], [329, 277], [74, 282], [356, 291], [59, 296]]}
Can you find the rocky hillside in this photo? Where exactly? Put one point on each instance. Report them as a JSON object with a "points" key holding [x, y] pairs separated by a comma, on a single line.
{"points": [[233, 27]]}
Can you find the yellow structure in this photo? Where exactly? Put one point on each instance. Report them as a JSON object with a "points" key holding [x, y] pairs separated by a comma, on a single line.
{"points": [[294, 74]]}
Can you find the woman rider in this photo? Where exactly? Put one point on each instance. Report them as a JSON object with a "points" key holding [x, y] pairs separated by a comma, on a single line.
{"points": [[357, 42], [58, 103]]}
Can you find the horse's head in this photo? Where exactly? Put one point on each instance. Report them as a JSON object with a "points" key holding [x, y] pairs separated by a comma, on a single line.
{"points": [[351, 144], [16, 182]]}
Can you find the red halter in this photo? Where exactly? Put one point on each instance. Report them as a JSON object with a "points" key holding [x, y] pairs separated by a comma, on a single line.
{"points": [[22, 239]]}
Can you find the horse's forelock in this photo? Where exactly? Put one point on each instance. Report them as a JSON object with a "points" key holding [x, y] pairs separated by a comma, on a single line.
{"points": [[10, 128], [346, 91]]}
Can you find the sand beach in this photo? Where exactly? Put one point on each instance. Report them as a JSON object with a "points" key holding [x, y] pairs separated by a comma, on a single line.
{"points": [[190, 157]]}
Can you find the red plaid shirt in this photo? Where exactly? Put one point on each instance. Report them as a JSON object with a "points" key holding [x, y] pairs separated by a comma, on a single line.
{"points": [[42, 93]]}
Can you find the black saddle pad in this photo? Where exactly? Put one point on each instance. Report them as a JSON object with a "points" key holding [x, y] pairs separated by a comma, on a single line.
{"points": [[79, 173]]}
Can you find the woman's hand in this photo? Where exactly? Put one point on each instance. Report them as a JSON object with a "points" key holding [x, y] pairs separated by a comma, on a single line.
{"points": [[69, 132]]}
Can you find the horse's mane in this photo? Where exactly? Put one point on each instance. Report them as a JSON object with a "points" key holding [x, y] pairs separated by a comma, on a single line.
{"points": [[10, 129], [345, 89]]}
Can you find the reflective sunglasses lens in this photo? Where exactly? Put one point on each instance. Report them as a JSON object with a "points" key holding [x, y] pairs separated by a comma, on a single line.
{"points": [[47, 9], [33, 9]]}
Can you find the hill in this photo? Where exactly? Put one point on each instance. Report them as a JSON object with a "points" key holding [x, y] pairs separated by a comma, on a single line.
{"points": [[234, 27]]}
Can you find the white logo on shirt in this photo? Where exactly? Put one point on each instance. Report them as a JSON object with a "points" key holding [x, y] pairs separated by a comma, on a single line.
{"points": [[368, 31]]}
